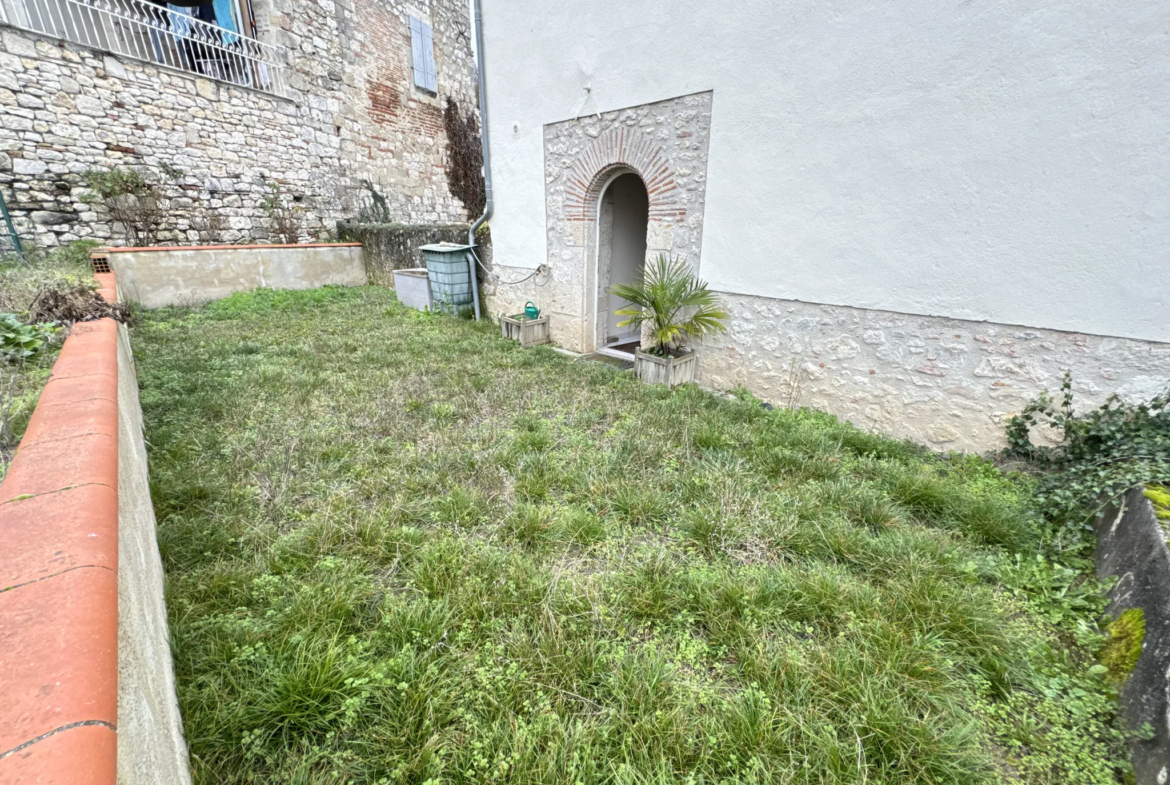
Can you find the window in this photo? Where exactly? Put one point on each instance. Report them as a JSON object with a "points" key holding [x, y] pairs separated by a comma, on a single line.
{"points": [[422, 51]]}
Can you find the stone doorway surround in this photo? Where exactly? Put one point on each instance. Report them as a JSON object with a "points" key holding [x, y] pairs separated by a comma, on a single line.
{"points": [[665, 143]]}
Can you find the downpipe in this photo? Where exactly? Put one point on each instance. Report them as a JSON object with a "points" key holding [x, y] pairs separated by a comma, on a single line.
{"points": [[488, 205]]}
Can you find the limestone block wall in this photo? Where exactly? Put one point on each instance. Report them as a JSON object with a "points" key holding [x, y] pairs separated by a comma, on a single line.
{"points": [[355, 115], [948, 383]]}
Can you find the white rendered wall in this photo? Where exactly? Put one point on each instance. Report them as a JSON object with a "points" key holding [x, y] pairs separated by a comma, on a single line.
{"points": [[997, 161]]}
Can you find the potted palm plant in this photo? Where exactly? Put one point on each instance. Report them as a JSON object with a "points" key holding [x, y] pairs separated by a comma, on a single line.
{"points": [[671, 307]]}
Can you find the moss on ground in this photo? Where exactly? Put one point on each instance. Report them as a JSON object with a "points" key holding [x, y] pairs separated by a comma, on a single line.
{"points": [[400, 549]]}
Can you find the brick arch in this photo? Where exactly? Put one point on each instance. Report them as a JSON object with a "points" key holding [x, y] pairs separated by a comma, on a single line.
{"points": [[622, 148]]}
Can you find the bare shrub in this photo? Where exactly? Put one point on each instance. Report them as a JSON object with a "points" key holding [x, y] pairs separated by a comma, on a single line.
{"points": [[284, 220], [209, 223], [136, 199]]}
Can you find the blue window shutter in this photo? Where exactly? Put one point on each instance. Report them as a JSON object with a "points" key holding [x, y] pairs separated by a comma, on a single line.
{"points": [[417, 56], [429, 73]]}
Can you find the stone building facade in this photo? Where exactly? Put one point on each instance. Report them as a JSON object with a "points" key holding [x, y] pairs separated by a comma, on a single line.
{"points": [[915, 219], [353, 113], [949, 383]]}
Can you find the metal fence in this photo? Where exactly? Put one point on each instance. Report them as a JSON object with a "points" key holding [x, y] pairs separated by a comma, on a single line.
{"points": [[9, 240], [156, 34]]}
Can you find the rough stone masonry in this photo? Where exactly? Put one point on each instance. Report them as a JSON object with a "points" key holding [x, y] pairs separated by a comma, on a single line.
{"points": [[355, 115]]}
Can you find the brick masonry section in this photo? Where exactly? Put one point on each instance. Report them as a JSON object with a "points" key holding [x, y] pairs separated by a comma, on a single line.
{"points": [[616, 148], [948, 383], [59, 577]]}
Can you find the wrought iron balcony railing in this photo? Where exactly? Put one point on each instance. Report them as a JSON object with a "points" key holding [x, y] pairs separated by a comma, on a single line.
{"points": [[156, 34]]}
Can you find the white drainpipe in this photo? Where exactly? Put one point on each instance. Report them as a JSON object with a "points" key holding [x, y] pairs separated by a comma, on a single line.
{"points": [[487, 158]]}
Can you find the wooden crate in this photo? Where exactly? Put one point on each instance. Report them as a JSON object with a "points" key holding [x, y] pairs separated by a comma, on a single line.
{"points": [[671, 371], [529, 332]]}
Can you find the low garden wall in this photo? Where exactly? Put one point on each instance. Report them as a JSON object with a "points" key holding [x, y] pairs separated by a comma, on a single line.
{"points": [[87, 692], [394, 246], [1131, 549], [190, 275]]}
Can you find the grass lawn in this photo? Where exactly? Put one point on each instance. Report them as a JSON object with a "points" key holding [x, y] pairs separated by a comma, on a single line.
{"points": [[400, 549]]}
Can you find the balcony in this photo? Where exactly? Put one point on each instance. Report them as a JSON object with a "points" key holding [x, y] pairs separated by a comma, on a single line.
{"points": [[156, 34]]}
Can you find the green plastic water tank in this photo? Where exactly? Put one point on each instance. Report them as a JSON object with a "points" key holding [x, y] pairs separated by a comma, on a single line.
{"points": [[450, 276]]}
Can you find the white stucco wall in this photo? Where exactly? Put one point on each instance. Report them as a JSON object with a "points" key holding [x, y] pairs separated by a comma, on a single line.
{"points": [[997, 161]]}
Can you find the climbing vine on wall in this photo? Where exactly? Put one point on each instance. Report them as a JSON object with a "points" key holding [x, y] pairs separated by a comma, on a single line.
{"points": [[464, 158]]}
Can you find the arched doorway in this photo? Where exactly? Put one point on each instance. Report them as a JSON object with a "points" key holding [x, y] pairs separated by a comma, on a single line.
{"points": [[623, 219]]}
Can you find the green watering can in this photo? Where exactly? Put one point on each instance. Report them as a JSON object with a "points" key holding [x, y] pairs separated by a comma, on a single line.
{"points": [[531, 311]]}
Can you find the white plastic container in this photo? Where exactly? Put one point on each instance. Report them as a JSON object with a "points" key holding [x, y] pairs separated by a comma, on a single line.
{"points": [[413, 288]]}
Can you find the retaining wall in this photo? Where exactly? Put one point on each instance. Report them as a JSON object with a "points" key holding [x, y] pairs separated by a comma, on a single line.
{"points": [[1132, 550], [158, 277], [86, 680]]}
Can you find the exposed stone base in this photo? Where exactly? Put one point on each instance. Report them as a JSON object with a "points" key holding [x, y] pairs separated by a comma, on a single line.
{"points": [[949, 383]]}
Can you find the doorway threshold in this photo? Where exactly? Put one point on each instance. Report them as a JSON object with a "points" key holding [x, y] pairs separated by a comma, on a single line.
{"points": [[615, 353]]}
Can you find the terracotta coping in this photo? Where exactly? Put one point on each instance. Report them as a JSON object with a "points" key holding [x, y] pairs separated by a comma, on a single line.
{"points": [[225, 247], [59, 574]]}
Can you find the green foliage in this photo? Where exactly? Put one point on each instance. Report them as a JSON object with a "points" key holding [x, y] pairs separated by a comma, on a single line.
{"points": [[1062, 730], [20, 341], [117, 181], [123, 181], [136, 199], [674, 302], [399, 549], [1102, 453], [387, 247], [464, 158], [1123, 647]]}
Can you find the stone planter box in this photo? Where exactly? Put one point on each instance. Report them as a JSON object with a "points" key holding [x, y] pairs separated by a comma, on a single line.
{"points": [[413, 287], [671, 371], [529, 332]]}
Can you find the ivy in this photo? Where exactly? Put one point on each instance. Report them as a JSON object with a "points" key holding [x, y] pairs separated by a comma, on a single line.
{"points": [[464, 158], [1102, 453]]}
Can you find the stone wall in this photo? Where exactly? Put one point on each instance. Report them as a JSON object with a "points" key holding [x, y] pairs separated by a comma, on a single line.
{"points": [[1131, 555], [390, 247], [355, 115], [948, 383]]}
